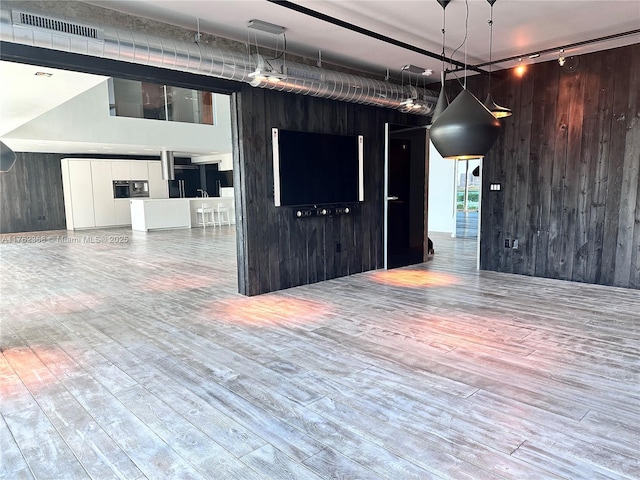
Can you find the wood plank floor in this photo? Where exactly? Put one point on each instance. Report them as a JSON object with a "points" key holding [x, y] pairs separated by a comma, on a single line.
{"points": [[130, 356]]}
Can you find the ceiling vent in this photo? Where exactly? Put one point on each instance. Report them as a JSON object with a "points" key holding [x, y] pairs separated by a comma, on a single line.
{"points": [[125, 45], [305, 74], [55, 24]]}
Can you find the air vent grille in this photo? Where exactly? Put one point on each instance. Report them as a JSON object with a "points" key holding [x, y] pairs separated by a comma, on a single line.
{"points": [[48, 23], [304, 74]]}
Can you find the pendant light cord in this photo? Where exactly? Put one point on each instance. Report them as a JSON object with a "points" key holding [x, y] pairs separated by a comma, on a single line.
{"points": [[444, 23], [464, 42], [466, 32], [490, 46]]}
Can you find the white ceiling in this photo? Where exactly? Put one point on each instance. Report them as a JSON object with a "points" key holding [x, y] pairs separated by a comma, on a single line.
{"points": [[29, 91], [520, 27]]}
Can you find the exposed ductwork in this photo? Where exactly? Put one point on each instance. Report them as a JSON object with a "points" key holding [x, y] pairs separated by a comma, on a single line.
{"points": [[19, 26]]}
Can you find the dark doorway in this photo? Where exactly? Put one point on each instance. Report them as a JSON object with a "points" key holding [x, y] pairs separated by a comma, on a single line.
{"points": [[406, 196]]}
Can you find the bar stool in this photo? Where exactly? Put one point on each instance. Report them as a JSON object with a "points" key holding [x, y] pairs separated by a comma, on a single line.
{"points": [[223, 212], [202, 212]]}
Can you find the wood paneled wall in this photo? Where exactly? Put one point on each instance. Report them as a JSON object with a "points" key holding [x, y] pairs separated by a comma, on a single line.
{"points": [[31, 197], [568, 161], [277, 250]]}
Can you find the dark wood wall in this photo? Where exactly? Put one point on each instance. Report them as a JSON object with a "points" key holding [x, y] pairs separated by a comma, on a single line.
{"points": [[277, 250], [568, 161], [31, 197]]}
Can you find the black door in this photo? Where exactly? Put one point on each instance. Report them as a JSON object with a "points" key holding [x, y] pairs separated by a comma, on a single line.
{"points": [[406, 218]]}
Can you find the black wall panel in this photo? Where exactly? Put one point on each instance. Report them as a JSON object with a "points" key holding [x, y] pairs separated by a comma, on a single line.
{"points": [[279, 251], [31, 196], [568, 161]]}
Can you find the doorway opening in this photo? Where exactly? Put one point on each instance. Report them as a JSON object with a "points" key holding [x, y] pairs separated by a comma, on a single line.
{"points": [[406, 178], [131, 144], [467, 198]]}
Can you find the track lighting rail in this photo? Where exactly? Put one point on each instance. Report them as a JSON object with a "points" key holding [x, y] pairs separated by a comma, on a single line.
{"points": [[537, 53]]}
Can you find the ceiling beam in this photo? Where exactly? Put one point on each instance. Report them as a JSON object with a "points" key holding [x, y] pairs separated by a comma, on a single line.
{"points": [[369, 33]]}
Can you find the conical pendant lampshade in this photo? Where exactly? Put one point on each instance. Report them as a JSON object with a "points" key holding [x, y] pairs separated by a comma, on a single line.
{"points": [[442, 103], [497, 110], [466, 129]]}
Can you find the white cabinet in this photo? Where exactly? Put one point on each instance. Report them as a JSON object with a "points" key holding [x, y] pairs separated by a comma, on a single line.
{"points": [[87, 184], [121, 171], [102, 194], [78, 194], [122, 209], [160, 214], [158, 188], [138, 170]]}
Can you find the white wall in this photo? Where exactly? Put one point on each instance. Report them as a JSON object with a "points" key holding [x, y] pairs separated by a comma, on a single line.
{"points": [[86, 118], [441, 193]]}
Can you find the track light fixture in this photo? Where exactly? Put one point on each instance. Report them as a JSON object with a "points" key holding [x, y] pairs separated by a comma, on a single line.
{"points": [[561, 57]]}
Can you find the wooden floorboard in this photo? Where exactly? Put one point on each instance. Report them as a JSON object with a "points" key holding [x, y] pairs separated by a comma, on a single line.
{"points": [[138, 360]]}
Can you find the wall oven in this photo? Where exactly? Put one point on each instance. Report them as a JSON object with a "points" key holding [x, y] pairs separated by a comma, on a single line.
{"points": [[121, 189]]}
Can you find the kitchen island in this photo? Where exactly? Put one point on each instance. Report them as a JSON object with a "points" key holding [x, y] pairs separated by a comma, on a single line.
{"points": [[169, 213]]}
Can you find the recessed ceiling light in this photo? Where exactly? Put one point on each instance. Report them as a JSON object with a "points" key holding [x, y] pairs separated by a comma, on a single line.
{"points": [[107, 148], [44, 74]]}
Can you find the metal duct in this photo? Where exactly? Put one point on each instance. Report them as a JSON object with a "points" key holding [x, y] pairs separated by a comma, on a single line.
{"points": [[20, 26], [167, 164]]}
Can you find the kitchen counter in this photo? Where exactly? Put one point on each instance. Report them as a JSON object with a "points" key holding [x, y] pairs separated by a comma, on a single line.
{"points": [[168, 213]]}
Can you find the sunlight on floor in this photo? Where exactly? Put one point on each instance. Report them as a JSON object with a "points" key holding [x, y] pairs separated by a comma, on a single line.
{"points": [[414, 278], [273, 310]]}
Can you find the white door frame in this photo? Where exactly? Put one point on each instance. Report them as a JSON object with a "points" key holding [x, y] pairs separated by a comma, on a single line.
{"points": [[385, 193]]}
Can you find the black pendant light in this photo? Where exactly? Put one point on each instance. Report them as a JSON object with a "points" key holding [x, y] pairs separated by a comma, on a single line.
{"points": [[466, 129], [7, 158], [497, 110], [443, 101]]}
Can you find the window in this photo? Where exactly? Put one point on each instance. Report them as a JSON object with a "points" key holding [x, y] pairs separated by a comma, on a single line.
{"points": [[467, 186], [134, 99]]}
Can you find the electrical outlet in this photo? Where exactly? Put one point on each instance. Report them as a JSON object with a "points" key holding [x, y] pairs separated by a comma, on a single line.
{"points": [[338, 247], [516, 244], [507, 244]]}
